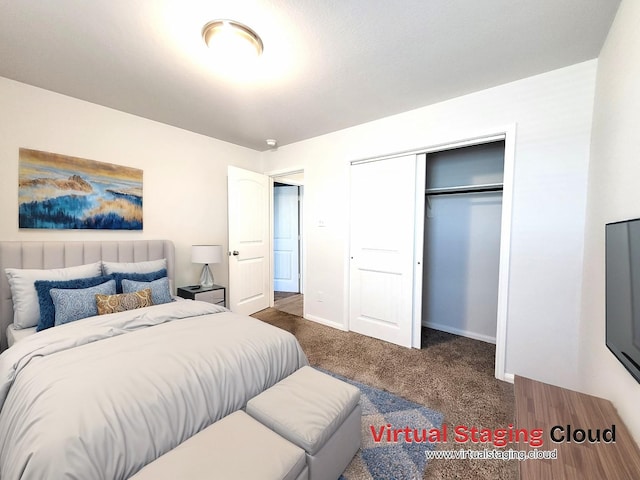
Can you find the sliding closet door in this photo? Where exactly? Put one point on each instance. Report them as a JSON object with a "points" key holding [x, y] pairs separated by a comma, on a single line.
{"points": [[382, 248]]}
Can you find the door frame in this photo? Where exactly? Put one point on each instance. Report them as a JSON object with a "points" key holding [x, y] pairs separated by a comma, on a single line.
{"points": [[279, 176], [508, 134]]}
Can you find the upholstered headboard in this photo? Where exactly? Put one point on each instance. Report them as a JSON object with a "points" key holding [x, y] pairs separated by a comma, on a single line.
{"points": [[45, 255]]}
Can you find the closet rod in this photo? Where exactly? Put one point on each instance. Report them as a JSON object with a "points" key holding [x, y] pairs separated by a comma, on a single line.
{"points": [[488, 187]]}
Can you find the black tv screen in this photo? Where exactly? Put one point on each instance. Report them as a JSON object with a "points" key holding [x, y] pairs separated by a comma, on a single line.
{"points": [[623, 293]]}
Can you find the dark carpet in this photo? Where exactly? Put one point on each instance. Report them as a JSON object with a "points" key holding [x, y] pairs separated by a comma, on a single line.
{"points": [[451, 374]]}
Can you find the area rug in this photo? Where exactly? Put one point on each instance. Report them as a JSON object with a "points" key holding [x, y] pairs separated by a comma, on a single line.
{"points": [[383, 459]]}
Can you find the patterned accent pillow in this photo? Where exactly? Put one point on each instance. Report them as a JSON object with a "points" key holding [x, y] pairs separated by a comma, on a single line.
{"points": [[123, 301], [159, 289], [78, 303], [137, 277], [47, 308]]}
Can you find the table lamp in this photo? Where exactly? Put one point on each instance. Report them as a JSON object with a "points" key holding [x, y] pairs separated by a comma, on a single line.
{"points": [[206, 254]]}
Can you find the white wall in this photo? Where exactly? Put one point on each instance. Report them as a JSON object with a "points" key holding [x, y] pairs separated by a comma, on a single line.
{"points": [[553, 113], [184, 179], [461, 260], [614, 194]]}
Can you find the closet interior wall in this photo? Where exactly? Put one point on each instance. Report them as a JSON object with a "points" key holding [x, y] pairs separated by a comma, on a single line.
{"points": [[463, 206]]}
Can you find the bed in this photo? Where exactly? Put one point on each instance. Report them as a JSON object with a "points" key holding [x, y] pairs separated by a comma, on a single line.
{"points": [[103, 396]]}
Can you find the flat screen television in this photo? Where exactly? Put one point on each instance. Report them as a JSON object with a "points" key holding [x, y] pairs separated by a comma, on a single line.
{"points": [[623, 293]]}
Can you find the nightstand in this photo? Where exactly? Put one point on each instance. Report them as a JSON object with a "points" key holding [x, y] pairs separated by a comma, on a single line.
{"points": [[215, 294]]}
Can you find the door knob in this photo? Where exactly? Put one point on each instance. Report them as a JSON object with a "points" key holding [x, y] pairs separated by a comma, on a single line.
{"points": [[235, 253]]}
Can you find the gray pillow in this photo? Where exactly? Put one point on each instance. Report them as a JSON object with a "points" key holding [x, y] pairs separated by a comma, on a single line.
{"points": [[160, 292], [134, 267], [75, 304]]}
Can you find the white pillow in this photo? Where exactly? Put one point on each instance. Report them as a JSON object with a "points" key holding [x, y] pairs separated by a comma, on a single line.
{"points": [[26, 308], [134, 267]]}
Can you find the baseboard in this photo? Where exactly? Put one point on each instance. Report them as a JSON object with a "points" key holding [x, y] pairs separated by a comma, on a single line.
{"points": [[326, 322], [508, 377], [457, 331]]}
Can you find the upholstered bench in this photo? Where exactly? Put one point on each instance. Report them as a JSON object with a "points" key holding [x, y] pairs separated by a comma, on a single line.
{"points": [[236, 447], [316, 412]]}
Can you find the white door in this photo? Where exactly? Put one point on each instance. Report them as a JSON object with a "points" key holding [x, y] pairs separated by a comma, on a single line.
{"points": [[248, 217], [383, 206], [286, 235]]}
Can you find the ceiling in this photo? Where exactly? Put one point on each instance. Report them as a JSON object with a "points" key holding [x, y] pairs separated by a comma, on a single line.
{"points": [[327, 64]]}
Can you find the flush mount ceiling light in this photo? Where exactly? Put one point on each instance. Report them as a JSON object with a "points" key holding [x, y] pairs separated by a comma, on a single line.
{"points": [[232, 40]]}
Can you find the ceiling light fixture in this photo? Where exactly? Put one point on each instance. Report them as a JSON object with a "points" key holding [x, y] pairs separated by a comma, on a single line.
{"points": [[232, 40]]}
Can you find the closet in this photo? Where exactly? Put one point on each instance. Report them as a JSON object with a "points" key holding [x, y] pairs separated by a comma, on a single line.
{"points": [[462, 223]]}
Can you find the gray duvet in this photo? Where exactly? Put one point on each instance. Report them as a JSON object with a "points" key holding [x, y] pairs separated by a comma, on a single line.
{"points": [[102, 397]]}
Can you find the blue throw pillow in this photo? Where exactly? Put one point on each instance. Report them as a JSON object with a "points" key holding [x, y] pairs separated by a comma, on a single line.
{"points": [[159, 289], [72, 305], [47, 309], [137, 277]]}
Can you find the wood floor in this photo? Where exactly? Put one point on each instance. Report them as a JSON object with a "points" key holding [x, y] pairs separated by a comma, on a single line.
{"points": [[289, 303], [567, 415]]}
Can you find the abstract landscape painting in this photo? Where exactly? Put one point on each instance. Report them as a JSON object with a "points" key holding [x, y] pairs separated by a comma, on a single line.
{"points": [[62, 192]]}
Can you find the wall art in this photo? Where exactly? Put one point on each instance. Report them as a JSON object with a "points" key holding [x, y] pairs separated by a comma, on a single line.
{"points": [[62, 192]]}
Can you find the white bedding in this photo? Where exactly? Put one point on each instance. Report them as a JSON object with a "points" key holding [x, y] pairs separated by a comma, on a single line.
{"points": [[16, 334], [102, 397]]}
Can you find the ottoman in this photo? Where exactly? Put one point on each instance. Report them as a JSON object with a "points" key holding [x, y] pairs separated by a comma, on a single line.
{"points": [[316, 412], [236, 447]]}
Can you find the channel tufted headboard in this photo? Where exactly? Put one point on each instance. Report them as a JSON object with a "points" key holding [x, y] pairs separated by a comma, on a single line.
{"points": [[45, 255]]}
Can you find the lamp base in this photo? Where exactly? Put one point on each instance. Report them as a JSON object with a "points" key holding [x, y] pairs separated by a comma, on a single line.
{"points": [[206, 277]]}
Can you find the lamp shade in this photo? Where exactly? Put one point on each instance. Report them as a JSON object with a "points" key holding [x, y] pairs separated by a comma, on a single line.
{"points": [[206, 253]]}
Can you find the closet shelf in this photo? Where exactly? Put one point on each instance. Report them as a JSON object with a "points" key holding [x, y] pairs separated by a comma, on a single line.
{"points": [[487, 187]]}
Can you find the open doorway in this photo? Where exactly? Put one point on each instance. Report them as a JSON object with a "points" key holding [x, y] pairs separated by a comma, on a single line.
{"points": [[288, 251]]}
